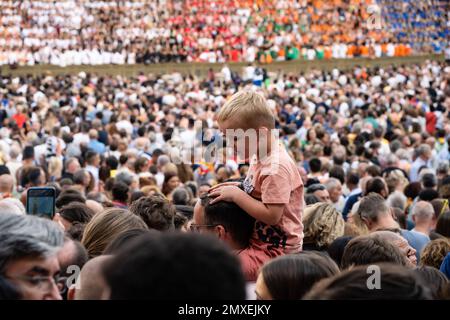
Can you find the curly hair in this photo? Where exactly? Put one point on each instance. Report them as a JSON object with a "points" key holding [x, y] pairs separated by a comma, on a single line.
{"points": [[156, 211], [322, 224], [434, 253]]}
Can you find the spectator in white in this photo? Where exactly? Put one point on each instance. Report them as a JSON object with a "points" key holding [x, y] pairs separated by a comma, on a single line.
{"points": [[422, 160], [14, 162], [12, 205], [334, 188], [422, 215], [160, 163], [6, 186], [93, 165], [82, 137]]}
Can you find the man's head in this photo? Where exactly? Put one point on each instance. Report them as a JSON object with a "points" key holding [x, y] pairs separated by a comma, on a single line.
{"points": [[401, 243], [156, 211], [365, 250], [120, 192], [174, 266], [374, 212], [334, 188], [91, 284], [6, 183], [320, 192], [31, 265], [93, 158], [81, 177], [423, 214], [72, 165], [228, 221], [424, 152]]}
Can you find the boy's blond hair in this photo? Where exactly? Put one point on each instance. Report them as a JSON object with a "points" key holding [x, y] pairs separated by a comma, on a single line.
{"points": [[248, 109]]}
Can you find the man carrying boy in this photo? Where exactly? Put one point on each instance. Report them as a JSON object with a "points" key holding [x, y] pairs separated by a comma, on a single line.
{"points": [[272, 192]]}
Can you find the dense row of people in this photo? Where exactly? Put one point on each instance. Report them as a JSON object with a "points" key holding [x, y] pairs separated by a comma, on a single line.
{"points": [[348, 177], [126, 32]]}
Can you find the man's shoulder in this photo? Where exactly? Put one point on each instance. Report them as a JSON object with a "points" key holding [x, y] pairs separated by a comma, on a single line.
{"points": [[415, 236]]}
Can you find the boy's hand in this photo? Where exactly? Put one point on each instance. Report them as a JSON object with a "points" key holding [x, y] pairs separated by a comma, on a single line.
{"points": [[224, 193], [220, 185]]}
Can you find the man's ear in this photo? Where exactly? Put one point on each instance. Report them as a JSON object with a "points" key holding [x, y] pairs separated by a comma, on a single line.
{"points": [[220, 231], [71, 292]]}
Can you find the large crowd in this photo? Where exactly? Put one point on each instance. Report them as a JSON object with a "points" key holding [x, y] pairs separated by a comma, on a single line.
{"points": [[350, 176], [127, 32]]}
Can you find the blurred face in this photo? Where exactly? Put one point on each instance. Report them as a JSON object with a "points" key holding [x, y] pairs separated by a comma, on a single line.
{"points": [[173, 182], [335, 193], [35, 277], [74, 166], [323, 196], [262, 293]]}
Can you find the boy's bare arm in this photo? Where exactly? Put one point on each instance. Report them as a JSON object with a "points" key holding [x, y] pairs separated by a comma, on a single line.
{"points": [[267, 213]]}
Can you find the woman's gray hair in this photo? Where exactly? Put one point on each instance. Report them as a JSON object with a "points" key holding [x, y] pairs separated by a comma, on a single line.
{"points": [[41, 229], [14, 246]]}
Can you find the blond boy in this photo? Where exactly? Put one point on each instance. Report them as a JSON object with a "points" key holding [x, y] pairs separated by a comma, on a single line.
{"points": [[272, 192]]}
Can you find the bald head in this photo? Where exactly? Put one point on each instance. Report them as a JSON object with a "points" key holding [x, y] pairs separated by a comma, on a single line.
{"points": [[423, 212], [94, 206], [91, 284], [6, 183]]}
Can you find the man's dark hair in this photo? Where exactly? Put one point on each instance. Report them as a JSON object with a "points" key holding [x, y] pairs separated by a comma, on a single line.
{"points": [[396, 283], [372, 249], [77, 212], [315, 165], [90, 155], [428, 194], [69, 196], [338, 173], [311, 199], [156, 211], [112, 162], [175, 266], [429, 180], [120, 192], [236, 221], [336, 248], [376, 185], [352, 178]]}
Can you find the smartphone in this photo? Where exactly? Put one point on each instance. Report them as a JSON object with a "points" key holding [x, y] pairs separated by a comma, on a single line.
{"points": [[41, 202]]}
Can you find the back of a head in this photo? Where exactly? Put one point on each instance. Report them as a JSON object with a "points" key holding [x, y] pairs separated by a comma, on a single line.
{"points": [[91, 283], [120, 192], [434, 252], [364, 250], [123, 239], [177, 266], [156, 211], [180, 196], [235, 220], [434, 279], [423, 211], [69, 196], [76, 212], [378, 282], [376, 185], [336, 248], [105, 226], [322, 225], [289, 277]]}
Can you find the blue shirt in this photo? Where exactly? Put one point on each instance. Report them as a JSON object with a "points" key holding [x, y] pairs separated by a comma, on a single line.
{"points": [[416, 240], [97, 146]]}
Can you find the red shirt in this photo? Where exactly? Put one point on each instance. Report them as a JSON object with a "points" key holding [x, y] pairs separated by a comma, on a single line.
{"points": [[20, 119]]}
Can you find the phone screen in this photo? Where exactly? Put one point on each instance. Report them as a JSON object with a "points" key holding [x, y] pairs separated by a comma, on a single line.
{"points": [[41, 202]]}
